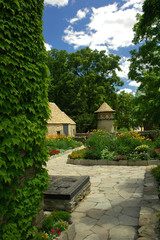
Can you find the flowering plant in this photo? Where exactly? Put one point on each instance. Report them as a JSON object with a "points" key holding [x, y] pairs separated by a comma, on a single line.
{"points": [[53, 225], [77, 154], [53, 152]]}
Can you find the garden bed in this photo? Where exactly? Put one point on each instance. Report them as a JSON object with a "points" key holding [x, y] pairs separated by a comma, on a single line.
{"points": [[90, 162]]}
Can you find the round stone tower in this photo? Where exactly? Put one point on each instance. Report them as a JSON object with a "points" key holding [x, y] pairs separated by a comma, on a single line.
{"points": [[105, 120]]}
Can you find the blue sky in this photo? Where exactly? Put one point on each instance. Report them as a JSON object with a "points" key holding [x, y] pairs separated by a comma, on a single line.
{"points": [[99, 24]]}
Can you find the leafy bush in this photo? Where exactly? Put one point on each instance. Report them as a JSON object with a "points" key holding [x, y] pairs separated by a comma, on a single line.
{"points": [[97, 141], [142, 148], [156, 142], [107, 155], [156, 173], [53, 225], [54, 217], [61, 142], [155, 153], [135, 156], [126, 142]]}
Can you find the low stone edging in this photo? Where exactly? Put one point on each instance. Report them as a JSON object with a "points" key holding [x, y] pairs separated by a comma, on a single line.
{"points": [[89, 162], [150, 207]]}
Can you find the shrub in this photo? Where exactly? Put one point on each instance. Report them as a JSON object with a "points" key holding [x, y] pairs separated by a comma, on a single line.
{"points": [[142, 148], [155, 152], [126, 142], [61, 142], [97, 141], [156, 173], [156, 142], [135, 156], [54, 224], [106, 154]]}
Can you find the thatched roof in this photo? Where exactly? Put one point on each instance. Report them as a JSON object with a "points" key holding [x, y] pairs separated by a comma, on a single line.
{"points": [[104, 108], [57, 116]]}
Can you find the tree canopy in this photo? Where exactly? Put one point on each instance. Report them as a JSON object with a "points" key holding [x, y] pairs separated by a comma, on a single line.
{"points": [[124, 115], [81, 81], [145, 62]]}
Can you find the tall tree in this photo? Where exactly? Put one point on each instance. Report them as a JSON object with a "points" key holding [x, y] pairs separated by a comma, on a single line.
{"points": [[124, 110], [84, 80], [145, 62]]}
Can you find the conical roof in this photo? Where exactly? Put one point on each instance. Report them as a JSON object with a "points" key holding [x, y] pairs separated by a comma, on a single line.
{"points": [[104, 108], [57, 116]]}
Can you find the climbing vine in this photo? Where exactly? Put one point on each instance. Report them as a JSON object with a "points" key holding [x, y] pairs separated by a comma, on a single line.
{"points": [[24, 111]]}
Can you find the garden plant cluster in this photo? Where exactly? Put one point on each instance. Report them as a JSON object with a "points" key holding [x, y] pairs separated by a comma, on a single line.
{"points": [[156, 173], [53, 225], [60, 143], [130, 146]]}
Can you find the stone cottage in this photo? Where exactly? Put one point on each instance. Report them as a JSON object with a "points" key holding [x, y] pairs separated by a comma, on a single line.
{"points": [[105, 120], [60, 123]]}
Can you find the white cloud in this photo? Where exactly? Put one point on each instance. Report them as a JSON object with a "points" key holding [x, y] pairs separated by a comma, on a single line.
{"points": [[126, 90], [134, 3], [58, 3], [99, 48], [80, 15], [134, 84], [109, 26], [76, 38], [48, 46], [124, 65]]}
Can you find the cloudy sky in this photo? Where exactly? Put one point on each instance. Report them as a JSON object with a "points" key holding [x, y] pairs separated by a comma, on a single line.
{"points": [[99, 24]]}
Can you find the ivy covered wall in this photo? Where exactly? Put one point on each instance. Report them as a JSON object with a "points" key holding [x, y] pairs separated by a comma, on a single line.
{"points": [[24, 111]]}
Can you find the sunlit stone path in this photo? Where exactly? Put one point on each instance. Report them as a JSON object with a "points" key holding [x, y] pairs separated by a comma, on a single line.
{"points": [[111, 210]]}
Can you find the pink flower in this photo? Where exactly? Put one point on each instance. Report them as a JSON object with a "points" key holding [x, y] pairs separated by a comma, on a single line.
{"points": [[59, 233], [52, 231], [57, 229]]}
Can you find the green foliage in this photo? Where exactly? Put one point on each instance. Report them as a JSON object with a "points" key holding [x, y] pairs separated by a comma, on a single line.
{"points": [[61, 142], [107, 155], [97, 142], [156, 142], [135, 156], [156, 172], [55, 220], [145, 62], [124, 106], [126, 142], [142, 148], [24, 111], [81, 81]]}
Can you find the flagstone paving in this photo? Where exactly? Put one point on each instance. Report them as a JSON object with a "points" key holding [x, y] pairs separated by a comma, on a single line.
{"points": [[111, 210]]}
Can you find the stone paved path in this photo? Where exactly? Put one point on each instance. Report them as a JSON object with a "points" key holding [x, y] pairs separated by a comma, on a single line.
{"points": [[111, 210]]}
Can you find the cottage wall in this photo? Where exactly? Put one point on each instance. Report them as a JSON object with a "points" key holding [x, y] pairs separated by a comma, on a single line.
{"points": [[72, 130], [53, 129]]}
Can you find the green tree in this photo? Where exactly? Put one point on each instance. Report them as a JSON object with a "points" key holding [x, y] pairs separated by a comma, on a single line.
{"points": [[124, 110], [145, 62], [24, 111], [84, 80]]}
